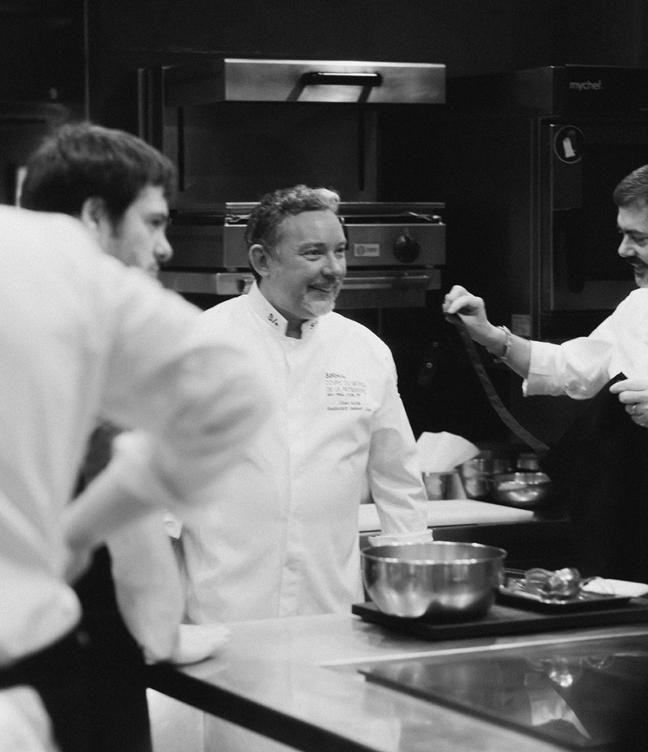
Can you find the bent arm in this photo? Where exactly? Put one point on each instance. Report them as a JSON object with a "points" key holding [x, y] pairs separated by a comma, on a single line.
{"points": [[514, 351]]}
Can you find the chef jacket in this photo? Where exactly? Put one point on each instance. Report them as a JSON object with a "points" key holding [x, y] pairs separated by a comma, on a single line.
{"points": [[84, 337], [580, 367], [283, 539]]}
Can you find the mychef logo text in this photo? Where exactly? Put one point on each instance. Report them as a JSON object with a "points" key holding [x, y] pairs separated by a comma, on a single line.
{"points": [[586, 85]]}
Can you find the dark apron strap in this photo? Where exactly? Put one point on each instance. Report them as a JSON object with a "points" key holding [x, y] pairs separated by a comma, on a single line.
{"points": [[59, 674]]}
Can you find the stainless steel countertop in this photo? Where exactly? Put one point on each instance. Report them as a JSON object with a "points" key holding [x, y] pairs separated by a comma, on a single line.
{"points": [[296, 679]]}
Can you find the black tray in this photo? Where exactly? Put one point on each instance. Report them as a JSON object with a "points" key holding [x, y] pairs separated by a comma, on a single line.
{"points": [[504, 619]]}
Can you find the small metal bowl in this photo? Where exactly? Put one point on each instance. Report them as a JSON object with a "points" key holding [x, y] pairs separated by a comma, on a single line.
{"points": [[522, 489], [441, 580]]}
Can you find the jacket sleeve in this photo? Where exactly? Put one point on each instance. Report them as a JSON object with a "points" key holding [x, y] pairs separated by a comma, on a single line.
{"points": [[395, 478]]}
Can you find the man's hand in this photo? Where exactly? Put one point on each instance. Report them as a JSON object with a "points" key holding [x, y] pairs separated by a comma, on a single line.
{"points": [[633, 393], [472, 312]]}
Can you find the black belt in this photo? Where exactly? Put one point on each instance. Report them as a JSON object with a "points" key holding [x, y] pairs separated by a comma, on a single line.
{"points": [[59, 674], [33, 666], [493, 397]]}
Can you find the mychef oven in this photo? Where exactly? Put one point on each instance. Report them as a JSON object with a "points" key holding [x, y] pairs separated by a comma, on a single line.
{"points": [[239, 127]]}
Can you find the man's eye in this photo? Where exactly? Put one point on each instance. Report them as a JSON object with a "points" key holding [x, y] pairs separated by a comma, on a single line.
{"points": [[341, 252]]}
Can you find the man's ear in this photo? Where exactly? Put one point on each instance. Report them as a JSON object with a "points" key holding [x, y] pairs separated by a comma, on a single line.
{"points": [[94, 214], [258, 256]]}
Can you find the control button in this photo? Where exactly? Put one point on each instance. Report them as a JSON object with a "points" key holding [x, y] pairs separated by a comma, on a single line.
{"points": [[406, 249]]}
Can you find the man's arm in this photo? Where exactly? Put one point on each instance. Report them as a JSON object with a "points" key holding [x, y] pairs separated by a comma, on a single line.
{"points": [[395, 479], [513, 350], [148, 586]]}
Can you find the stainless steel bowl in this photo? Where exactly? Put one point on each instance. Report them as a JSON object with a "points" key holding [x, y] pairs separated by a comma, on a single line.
{"points": [[527, 490], [441, 579], [477, 473]]}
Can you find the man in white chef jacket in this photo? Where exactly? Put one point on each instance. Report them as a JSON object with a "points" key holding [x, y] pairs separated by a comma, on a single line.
{"points": [[284, 540], [120, 188], [89, 338]]}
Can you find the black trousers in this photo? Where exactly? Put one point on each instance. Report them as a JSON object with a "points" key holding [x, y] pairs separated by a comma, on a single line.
{"points": [[60, 675], [119, 717]]}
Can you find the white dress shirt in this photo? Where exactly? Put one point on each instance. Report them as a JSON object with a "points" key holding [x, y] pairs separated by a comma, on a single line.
{"points": [[580, 367], [83, 337], [283, 539]]}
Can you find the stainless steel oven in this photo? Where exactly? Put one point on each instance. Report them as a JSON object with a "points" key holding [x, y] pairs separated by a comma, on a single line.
{"points": [[239, 127]]}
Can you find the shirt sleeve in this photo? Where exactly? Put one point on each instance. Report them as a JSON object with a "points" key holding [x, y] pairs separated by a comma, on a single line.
{"points": [[197, 396], [395, 478], [577, 368]]}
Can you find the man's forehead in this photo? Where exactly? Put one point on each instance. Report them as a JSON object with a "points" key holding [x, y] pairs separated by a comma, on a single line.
{"points": [[636, 212], [153, 197], [320, 226]]}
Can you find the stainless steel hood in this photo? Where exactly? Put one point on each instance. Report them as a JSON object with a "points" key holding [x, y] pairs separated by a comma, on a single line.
{"points": [[250, 80]]}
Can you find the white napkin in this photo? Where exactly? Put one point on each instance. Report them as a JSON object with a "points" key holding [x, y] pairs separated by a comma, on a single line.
{"points": [[620, 588], [442, 452]]}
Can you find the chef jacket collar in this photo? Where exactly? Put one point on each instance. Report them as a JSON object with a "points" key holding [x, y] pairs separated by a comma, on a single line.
{"points": [[271, 316]]}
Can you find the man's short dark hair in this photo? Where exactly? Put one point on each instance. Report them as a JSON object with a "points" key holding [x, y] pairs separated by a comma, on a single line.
{"points": [[82, 160], [266, 217], [633, 189]]}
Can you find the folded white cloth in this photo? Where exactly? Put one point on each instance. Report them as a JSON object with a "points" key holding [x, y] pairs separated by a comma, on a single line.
{"points": [[620, 588], [442, 452]]}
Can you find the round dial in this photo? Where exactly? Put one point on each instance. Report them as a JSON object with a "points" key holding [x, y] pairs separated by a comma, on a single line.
{"points": [[406, 249]]}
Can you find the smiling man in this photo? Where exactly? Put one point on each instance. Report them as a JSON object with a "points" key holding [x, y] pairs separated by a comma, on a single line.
{"points": [[283, 540], [286, 537]]}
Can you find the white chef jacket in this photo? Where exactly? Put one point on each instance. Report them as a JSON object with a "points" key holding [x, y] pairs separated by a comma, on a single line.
{"points": [[84, 337], [580, 367], [284, 538]]}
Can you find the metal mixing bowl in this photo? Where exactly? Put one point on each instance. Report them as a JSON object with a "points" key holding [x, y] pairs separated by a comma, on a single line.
{"points": [[444, 580], [526, 490]]}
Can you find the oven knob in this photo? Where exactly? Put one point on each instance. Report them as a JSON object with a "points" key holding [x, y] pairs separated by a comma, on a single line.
{"points": [[406, 249]]}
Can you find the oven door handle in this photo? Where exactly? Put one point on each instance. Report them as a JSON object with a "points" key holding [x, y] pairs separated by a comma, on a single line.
{"points": [[387, 282], [320, 78]]}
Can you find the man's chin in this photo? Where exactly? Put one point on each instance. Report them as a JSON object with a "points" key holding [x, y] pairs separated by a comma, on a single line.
{"points": [[320, 307], [641, 278]]}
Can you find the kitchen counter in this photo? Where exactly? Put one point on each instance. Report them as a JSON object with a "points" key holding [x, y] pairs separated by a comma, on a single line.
{"points": [[296, 681]]}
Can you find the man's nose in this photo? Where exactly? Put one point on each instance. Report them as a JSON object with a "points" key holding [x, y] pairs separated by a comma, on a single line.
{"points": [[625, 247], [335, 264], [163, 250]]}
